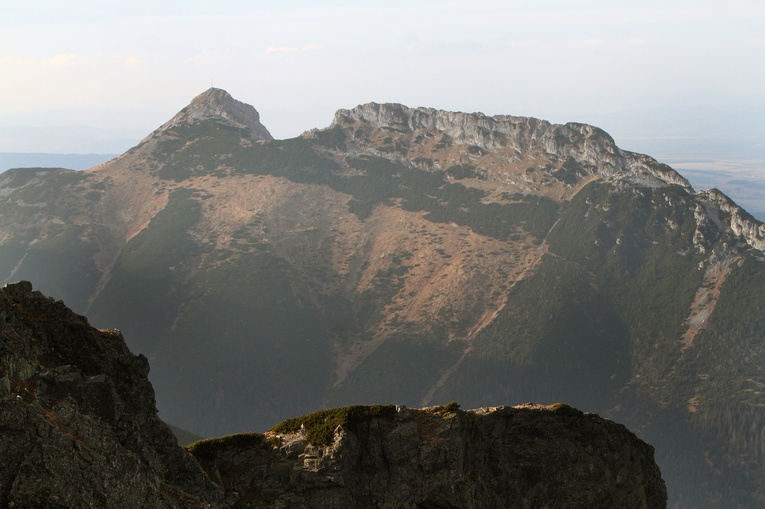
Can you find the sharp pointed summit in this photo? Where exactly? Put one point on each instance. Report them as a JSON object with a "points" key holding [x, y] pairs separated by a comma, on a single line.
{"points": [[217, 104]]}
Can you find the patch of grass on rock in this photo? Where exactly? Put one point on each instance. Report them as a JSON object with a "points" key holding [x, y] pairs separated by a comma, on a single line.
{"points": [[320, 426]]}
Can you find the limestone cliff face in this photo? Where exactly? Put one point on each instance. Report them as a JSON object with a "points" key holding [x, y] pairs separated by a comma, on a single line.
{"points": [[441, 457], [587, 145], [740, 221], [78, 428]]}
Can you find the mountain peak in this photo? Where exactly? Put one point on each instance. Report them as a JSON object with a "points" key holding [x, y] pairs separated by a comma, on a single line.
{"points": [[211, 96], [217, 104]]}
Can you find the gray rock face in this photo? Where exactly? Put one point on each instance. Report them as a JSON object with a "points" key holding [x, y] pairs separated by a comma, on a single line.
{"points": [[586, 144], [78, 428], [528, 456], [741, 222], [217, 104]]}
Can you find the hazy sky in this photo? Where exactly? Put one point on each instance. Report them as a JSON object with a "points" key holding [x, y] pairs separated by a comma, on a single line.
{"points": [[121, 68]]}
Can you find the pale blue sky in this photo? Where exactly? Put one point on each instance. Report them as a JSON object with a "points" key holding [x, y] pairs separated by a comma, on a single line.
{"points": [[120, 68]]}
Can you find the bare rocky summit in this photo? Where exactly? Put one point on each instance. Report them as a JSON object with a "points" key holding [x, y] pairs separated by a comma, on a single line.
{"points": [[218, 105], [78, 429]]}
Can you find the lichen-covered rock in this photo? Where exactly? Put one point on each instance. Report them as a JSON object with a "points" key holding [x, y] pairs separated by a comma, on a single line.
{"points": [[78, 421], [440, 457]]}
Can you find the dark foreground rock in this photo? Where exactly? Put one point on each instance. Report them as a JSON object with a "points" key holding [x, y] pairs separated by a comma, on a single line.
{"points": [[78, 421], [530, 456], [79, 428]]}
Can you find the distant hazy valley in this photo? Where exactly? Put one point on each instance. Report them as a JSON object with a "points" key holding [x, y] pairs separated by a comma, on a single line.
{"points": [[10, 160]]}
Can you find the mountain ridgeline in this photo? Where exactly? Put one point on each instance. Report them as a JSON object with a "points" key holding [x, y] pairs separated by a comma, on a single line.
{"points": [[415, 256]]}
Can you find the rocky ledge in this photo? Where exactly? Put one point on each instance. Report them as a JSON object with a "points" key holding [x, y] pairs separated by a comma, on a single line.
{"points": [[79, 428]]}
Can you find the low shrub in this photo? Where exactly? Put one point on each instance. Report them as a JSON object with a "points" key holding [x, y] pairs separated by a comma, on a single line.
{"points": [[320, 426], [206, 449]]}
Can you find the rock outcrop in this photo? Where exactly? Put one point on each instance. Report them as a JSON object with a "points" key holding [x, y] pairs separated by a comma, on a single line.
{"points": [[439, 457], [78, 420], [79, 429], [741, 222]]}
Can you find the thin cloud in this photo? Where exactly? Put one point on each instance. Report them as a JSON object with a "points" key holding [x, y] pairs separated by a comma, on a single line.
{"points": [[68, 60], [55, 61], [289, 49], [635, 41], [132, 62], [587, 44]]}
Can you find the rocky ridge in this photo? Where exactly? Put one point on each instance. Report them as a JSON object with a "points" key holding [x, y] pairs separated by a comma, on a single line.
{"points": [[79, 429], [588, 145], [515, 137]]}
